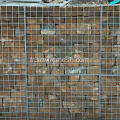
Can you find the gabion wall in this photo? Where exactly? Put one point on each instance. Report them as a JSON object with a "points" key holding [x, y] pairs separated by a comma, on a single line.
{"points": [[59, 63]]}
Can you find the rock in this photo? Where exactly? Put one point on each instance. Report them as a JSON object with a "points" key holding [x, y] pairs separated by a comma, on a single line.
{"points": [[111, 22], [48, 29], [83, 28], [63, 52]]}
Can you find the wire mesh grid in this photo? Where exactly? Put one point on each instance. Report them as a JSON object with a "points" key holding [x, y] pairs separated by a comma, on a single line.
{"points": [[59, 63]]}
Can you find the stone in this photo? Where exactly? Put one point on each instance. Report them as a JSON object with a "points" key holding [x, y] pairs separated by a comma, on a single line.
{"points": [[94, 47], [42, 70], [93, 70], [48, 29], [110, 61], [52, 40], [9, 30], [108, 85], [71, 20], [114, 31], [77, 11], [95, 29], [58, 20], [91, 38], [63, 52], [35, 38], [116, 70], [66, 29], [118, 39], [19, 69], [83, 28], [105, 31], [65, 11], [33, 29], [74, 78], [111, 22], [19, 33], [48, 20], [70, 40], [37, 20], [57, 71]]}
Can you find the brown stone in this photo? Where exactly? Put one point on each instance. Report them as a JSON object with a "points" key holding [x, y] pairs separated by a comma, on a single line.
{"points": [[19, 69], [51, 40], [65, 11], [95, 29], [37, 20], [7, 31], [70, 20], [107, 49], [9, 17], [17, 52], [33, 29], [66, 28], [48, 20], [109, 61], [89, 11], [15, 93], [74, 78], [35, 38], [57, 70], [47, 110], [93, 70], [105, 31], [94, 47], [77, 11], [91, 38], [58, 20], [5, 52], [31, 70], [108, 85], [54, 11]]}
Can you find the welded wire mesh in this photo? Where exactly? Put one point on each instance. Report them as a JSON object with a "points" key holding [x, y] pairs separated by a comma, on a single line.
{"points": [[59, 63]]}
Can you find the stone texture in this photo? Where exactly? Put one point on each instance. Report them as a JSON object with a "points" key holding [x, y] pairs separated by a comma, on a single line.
{"points": [[33, 29], [48, 29], [110, 22], [66, 29], [84, 29]]}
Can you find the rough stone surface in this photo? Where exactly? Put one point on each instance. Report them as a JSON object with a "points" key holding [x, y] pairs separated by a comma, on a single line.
{"points": [[84, 29]]}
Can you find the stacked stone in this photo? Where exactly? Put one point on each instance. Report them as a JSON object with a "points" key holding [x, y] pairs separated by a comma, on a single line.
{"points": [[68, 86]]}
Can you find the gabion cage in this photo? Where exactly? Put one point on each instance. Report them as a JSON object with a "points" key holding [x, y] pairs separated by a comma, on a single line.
{"points": [[59, 63]]}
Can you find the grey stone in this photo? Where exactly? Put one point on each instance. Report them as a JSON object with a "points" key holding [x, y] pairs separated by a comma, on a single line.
{"points": [[41, 103], [114, 31], [71, 40], [84, 28], [19, 33], [116, 70], [63, 52], [111, 22], [48, 29]]}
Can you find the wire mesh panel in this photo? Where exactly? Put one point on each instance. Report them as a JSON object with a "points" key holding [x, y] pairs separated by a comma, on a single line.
{"points": [[12, 64], [59, 63], [110, 65], [63, 73]]}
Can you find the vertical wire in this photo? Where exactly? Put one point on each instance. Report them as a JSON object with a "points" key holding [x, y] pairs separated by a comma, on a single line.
{"points": [[101, 11], [26, 63]]}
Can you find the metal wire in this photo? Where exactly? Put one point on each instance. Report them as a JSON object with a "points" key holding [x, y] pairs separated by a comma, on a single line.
{"points": [[26, 74], [100, 55], [83, 82]]}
